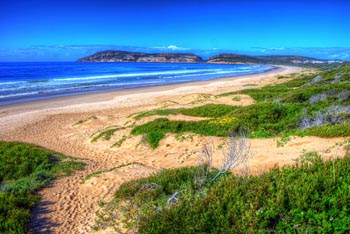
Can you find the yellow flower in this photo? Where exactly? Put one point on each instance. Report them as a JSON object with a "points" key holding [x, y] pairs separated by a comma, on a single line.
{"points": [[222, 121]]}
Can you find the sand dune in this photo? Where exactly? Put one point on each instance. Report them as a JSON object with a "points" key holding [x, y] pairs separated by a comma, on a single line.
{"points": [[68, 206]]}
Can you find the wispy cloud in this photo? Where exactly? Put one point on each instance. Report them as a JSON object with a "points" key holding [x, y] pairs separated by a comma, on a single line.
{"points": [[170, 47], [174, 47], [341, 53]]}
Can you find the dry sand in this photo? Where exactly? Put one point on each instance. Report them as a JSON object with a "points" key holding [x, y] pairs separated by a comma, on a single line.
{"points": [[69, 206]]}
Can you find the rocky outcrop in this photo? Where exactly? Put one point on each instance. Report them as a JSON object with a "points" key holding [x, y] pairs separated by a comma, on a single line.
{"points": [[125, 56]]}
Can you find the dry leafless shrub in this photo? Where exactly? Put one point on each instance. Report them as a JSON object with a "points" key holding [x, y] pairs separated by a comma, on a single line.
{"points": [[334, 114], [322, 96], [343, 95], [236, 152], [337, 78], [317, 97], [314, 80]]}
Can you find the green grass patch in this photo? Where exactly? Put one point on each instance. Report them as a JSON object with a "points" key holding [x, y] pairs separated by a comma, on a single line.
{"points": [[261, 120], [208, 111], [84, 120], [236, 98], [311, 196], [120, 142], [337, 130], [24, 169], [157, 129], [105, 134], [280, 109], [148, 195], [246, 85]]}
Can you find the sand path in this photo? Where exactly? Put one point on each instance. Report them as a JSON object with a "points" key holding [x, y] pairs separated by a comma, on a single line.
{"points": [[68, 205]]}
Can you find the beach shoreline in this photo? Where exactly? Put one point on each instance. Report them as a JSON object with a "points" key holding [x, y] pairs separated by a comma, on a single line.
{"points": [[46, 81], [107, 95], [21, 114]]}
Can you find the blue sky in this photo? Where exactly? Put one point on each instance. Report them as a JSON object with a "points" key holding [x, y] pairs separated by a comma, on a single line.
{"points": [[38, 30]]}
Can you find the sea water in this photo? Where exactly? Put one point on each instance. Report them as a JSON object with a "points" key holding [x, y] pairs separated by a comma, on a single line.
{"points": [[21, 82]]}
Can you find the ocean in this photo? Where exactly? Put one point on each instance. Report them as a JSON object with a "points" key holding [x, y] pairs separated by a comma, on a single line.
{"points": [[22, 82]]}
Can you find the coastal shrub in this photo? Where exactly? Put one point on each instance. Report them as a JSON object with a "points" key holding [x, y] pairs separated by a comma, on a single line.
{"points": [[139, 198], [337, 130], [308, 197], [279, 109], [271, 92], [267, 93], [209, 111], [268, 118], [25, 168]]}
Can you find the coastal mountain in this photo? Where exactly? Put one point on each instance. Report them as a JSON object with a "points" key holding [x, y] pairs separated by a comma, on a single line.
{"points": [[272, 59], [227, 58], [125, 56]]}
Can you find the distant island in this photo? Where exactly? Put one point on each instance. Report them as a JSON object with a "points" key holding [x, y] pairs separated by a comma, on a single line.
{"points": [[126, 56]]}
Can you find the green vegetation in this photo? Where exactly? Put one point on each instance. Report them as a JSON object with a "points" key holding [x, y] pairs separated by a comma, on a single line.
{"points": [[84, 120], [156, 130], [236, 98], [283, 141], [162, 112], [271, 59], [246, 85], [311, 196], [338, 130], [24, 169], [148, 195], [105, 134], [209, 111], [120, 142], [316, 104]]}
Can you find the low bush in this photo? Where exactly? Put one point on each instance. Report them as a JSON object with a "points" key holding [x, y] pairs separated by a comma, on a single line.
{"points": [[25, 168], [309, 197], [337, 130]]}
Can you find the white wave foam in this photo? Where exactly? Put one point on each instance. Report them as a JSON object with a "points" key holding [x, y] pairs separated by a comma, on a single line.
{"points": [[18, 94], [134, 74], [11, 82]]}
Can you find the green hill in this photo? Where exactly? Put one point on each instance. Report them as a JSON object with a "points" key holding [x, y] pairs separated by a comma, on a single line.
{"points": [[271, 59]]}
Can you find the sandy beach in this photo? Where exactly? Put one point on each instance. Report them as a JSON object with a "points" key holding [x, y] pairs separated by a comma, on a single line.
{"points": [[69, 205]]}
